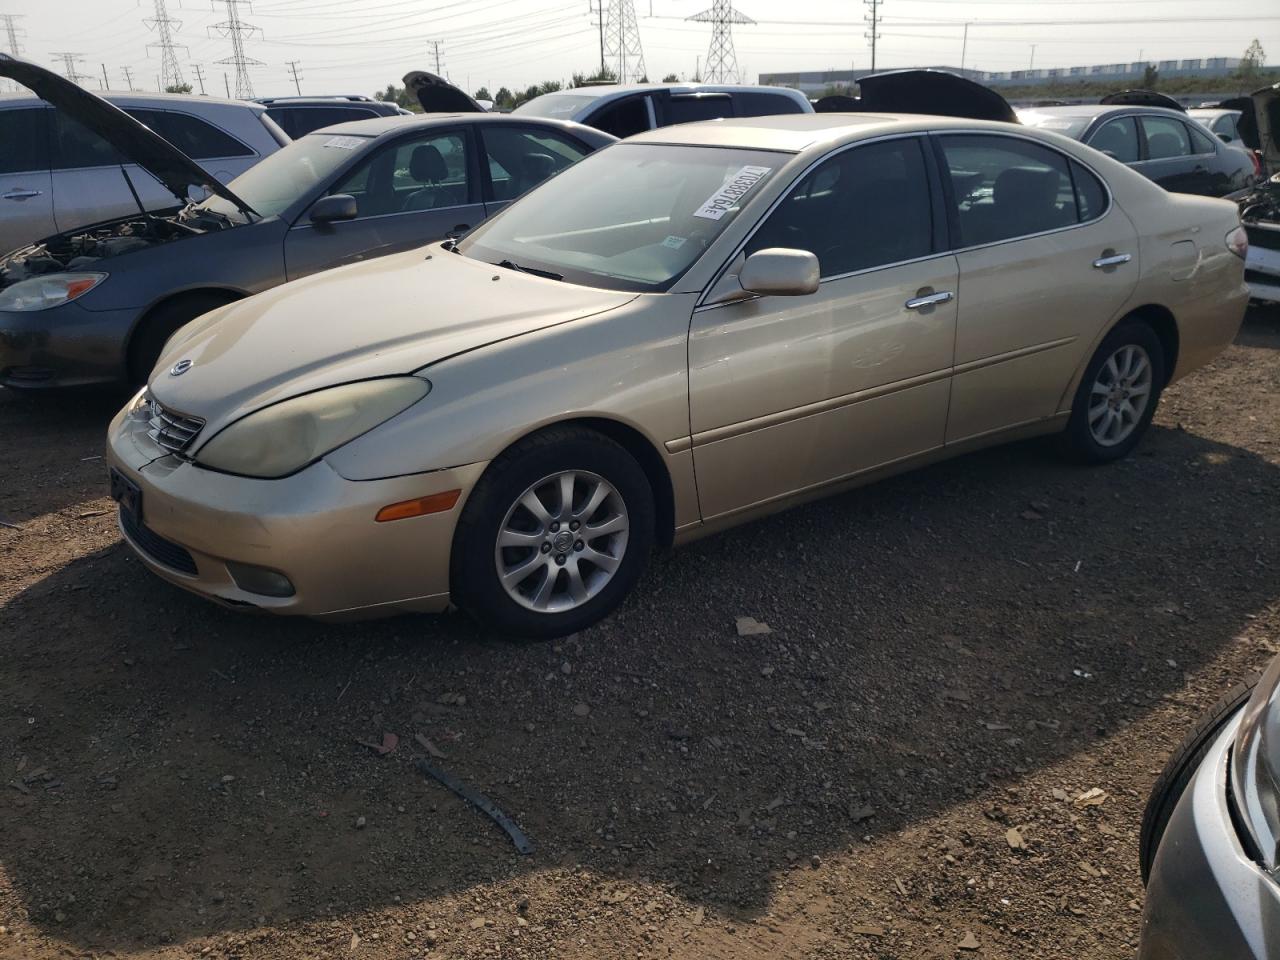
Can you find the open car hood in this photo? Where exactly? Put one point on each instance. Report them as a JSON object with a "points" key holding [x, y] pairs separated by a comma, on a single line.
{"points": [[438, 95], [1260, 122], [132, 140], [1141, 98], [922, 91]]}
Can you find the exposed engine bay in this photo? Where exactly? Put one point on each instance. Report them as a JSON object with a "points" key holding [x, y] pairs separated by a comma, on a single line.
{"points": [[1260, 214], [80, 249]]}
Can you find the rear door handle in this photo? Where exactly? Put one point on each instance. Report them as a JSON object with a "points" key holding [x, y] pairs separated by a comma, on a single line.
{"points": [[915, 303], [22, 194], [1112, 261]]}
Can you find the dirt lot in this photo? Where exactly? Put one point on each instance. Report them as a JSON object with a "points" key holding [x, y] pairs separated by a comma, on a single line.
{"points": [[953, 653]]}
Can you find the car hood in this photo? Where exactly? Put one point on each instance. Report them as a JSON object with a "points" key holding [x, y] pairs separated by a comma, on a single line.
{"points": [[438, 95], [924, 91], [131, 139], [1260, 122], [393, 315]]}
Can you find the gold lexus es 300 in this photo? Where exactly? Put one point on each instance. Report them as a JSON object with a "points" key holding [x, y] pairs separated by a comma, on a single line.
{"points": [[688, 329]]}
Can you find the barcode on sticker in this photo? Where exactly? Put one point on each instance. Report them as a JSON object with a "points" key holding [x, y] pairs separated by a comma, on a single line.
{"points": [[731, 192]]}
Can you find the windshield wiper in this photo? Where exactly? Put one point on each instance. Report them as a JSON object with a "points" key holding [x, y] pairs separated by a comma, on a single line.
{"points": [[512, 265]]}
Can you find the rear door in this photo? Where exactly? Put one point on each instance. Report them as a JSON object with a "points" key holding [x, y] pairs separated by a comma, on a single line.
{"points": [[409, 192], [26, 189], [1046, 262], [515, 159], [1170, 159]]}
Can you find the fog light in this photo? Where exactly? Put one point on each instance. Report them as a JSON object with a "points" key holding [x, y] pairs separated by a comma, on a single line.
{"points": [[260, 580]]}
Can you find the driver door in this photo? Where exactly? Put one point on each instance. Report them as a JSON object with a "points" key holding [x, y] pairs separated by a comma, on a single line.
{"points": [[410, 192]]}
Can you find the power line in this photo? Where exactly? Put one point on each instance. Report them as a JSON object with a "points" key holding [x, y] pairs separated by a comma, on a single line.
{"points": [[722, 61], [293, 69], [236, 30], [165, 27], [622, 41], [69, 61]]}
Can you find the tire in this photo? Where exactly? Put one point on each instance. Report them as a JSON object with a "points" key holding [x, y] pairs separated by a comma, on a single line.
{"points": [[551, 601], [162, 323], [1179, 769], [1084, 439]]}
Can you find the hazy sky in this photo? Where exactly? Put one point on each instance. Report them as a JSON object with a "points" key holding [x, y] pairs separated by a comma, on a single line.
{"points": [[359, 46]]}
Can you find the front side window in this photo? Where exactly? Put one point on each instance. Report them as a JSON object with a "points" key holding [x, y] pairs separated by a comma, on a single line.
{"points": [[26, 142], [751, 104], [1003, 188], [1166, 138], [76, 146], [1118, 139], [632, 217], [863, 208], [687, 109], [622, 118], [426, 172], [521, 158]]}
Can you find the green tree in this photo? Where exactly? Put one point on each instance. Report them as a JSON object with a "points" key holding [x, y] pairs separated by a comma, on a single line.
{"points": [[1150, 77], [1254, 59], [178, 88], [400, 97], [504, 99], [483, 94], [600, 76], [670, 78]]}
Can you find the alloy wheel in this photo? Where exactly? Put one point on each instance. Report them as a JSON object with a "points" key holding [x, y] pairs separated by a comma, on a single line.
{"points": [[1119, 396]]}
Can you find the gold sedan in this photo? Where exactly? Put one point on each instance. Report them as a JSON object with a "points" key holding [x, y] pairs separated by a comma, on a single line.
{"points": [[697, 326]]}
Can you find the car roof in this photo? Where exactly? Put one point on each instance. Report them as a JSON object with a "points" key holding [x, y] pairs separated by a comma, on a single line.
{"points": [[380, 126], [599, 90], [136, 98], [1100, 109]]}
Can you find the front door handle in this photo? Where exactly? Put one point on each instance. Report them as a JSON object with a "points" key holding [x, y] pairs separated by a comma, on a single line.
{"points": [[1114, 260], [929, 300], [21, 194]]}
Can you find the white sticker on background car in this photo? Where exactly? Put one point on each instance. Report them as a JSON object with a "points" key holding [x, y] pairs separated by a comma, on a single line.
{"points": [[675, 243], [731, 191], [344, 143]]}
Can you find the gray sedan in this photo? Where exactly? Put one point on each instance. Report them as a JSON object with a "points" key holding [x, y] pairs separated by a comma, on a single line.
{"points": [[96, 305]]}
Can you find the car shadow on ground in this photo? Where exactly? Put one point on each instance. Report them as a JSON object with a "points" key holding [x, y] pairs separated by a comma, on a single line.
{"points": [[932, 636], [1262, 328]]}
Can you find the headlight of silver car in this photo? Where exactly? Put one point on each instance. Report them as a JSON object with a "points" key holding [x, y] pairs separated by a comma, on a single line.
{"points": [[287, 436], [50, 290], [1255, 765]]}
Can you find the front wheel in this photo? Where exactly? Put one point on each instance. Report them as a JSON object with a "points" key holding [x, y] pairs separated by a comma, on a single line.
{"points": [[554, 536], [1117, 396]]}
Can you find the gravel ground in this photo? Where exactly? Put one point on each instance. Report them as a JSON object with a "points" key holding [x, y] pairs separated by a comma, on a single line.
{"points": [[953, 658]]}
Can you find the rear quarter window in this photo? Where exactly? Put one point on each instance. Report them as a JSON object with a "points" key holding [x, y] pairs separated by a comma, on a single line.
{"points": [[1091, 196], [197, 138]]}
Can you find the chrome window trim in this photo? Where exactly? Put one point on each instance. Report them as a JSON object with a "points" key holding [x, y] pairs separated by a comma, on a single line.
{"points": [[954, 251], [399, 213]]}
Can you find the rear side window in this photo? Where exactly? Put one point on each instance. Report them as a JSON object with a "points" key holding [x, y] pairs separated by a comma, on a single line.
{"points": [[622, 119], [765, 104], [1166, 137], [687, 109], [195, 137], [520, 159], [1201, 142], [25, 136], [864, 208], [299, 121], [1004, 188], [1091, 197], [1118, 139]]}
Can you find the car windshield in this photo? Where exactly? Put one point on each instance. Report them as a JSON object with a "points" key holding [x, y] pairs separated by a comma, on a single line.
{"points": [[557, 106], [1068, 126], [272, 185], [631, 217]]}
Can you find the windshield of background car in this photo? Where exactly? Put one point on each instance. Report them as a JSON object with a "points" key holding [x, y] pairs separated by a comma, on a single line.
{"points": [[276, 182], [631, 217], [1073, 127], [556, 106]]}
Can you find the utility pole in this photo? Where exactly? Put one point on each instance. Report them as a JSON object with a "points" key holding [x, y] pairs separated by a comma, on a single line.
{"points": [[293, 69], [69, 61], [435, 46], [226, 83], [104, 77], [236, 30], [600, 21], [722, 60], [964, 47], [1032, 62], [622, 40], [873, 21], [199, 72], [165, 27], [128, 76]]}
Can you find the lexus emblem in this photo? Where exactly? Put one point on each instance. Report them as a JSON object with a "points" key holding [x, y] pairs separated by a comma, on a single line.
{"points": [[179, 368]]}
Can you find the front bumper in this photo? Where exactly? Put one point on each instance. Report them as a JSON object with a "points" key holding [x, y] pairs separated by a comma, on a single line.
{"points": [[64, 346], [1262, 271], [315, 527], [1205, 896]]}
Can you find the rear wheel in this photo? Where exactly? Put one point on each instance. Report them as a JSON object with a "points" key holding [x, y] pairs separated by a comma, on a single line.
{"points": [[162, 323], [554, 536], [1117, 395]]}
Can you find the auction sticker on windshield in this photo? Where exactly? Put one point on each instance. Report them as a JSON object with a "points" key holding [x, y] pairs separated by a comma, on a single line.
{"points": [[731, 192], [344, 143]]}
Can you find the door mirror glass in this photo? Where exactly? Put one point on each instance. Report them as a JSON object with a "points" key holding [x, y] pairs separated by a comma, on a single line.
{"points": [[339, 206], [779, 272]]}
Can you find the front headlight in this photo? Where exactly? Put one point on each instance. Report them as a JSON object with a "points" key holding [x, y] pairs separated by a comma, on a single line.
{"points": [[287, 436], [1255, 766], [50, 290]]}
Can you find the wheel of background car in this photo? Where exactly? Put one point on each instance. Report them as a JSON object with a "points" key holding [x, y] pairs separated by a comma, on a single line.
{"points": [[1117, 395], [1179, 769], [155, 329], [554, 536]]}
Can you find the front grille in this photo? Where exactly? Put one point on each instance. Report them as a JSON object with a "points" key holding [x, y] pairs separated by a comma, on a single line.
{"points": [[162, 551], [170, 429], [1266, 237], [1264, 279]]}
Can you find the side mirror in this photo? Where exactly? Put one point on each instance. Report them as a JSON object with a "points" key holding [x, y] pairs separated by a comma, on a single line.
{"points": [[779, 272], [340, 206]]}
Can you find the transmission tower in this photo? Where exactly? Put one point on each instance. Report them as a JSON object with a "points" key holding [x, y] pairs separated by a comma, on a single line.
{"points": [[236, 29], [165, 27], [873, 18], [11, 35], [69, 61], [722, 62], [621, 32]]}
